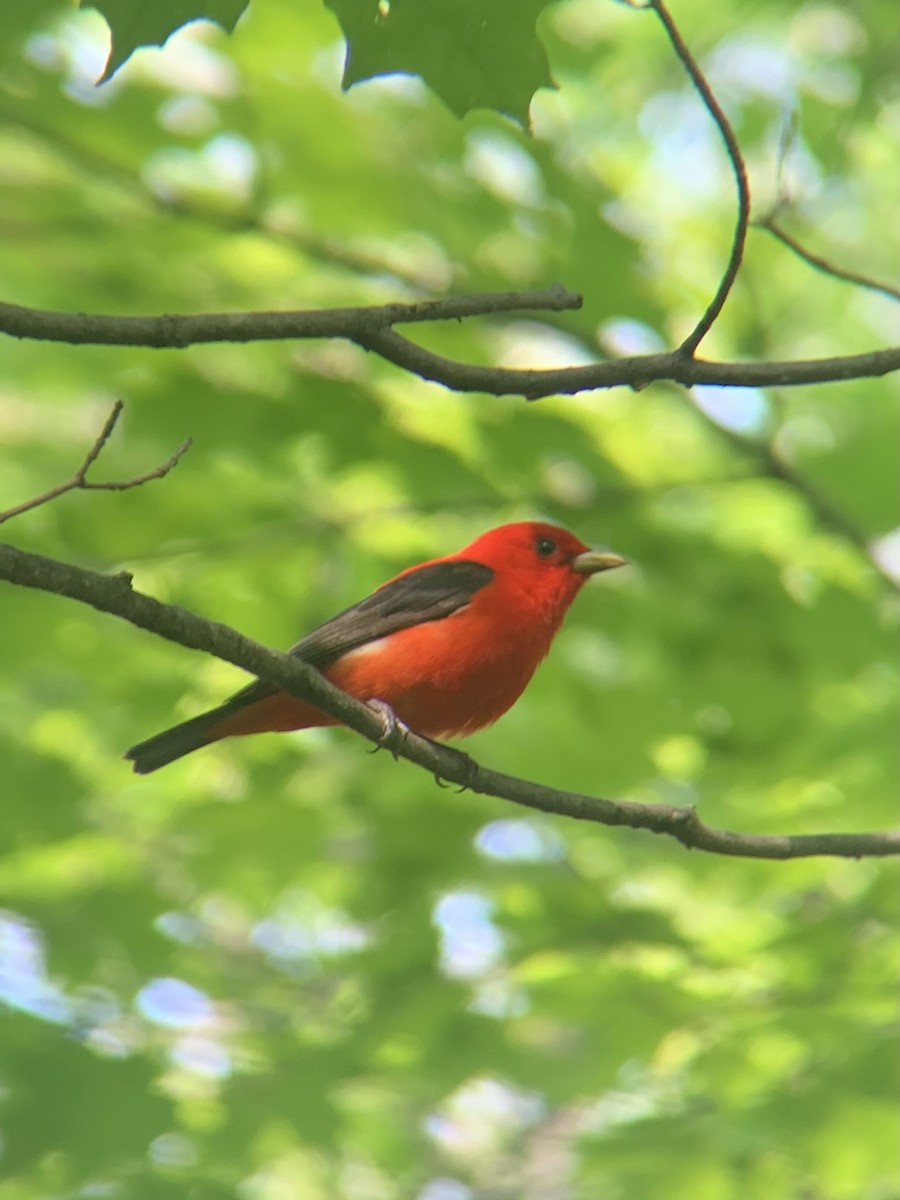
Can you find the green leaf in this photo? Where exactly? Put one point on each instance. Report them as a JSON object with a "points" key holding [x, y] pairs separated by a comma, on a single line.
{"points": [[471, 53]]}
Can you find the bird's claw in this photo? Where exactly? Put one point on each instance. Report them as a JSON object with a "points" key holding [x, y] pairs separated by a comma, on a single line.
{"points": [[470, 770], [469, 767], [393, 731]]}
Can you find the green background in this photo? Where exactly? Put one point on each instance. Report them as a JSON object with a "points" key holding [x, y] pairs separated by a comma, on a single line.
{"points": [[285, 968]]}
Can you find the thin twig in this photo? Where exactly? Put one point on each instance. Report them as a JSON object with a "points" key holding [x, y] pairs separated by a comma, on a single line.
{"points": [[738, 166], [79, 478], [80, 482], [822, 264], [114, 594]]}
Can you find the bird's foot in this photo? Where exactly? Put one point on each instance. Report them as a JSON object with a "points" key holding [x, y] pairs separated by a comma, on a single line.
{"points": [[393, 731], [470, 770], [469, 767]]}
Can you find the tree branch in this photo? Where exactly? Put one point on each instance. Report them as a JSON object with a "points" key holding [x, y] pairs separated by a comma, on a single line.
{"points": [[114, 594], [371, 327], [80, 482], [176, 332], [738, 166], [636, 371]]}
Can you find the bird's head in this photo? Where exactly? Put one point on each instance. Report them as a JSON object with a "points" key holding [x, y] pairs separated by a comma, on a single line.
{"points": [[542, 560]]}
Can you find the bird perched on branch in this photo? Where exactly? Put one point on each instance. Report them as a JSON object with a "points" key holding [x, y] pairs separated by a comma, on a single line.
{"points": [[448, 645]]}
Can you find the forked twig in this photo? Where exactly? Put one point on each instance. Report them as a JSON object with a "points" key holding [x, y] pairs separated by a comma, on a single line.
{"points": [[80, 481]]}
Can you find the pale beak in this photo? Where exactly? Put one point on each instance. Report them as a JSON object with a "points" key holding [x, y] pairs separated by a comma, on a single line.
{"points": [[591, 562]]}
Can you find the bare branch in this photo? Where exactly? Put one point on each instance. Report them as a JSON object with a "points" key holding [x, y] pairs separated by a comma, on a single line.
{"points": [[176, 332], [738, 166], [371, 328], [114, 594], [80, 482], [770, 224], [636, 371]]}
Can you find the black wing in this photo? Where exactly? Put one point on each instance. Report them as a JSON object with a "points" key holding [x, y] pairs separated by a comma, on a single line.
{"points": [[427, 593]]}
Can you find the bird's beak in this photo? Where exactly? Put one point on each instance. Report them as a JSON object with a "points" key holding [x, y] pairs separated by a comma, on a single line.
{"points": [[591, 562]]}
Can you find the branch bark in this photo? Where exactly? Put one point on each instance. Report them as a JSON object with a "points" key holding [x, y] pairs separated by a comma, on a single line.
{"points": [[168, 332], [114, 594], [371, 328]]}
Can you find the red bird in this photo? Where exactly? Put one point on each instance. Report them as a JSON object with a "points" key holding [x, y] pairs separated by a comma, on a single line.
{"points": [[448, 645]]}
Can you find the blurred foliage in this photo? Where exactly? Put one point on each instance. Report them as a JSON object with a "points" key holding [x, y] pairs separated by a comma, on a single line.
{"points": [[285, 968]]}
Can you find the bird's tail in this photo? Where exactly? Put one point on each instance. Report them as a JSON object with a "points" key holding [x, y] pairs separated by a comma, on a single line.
{"points": [[174, 743]]}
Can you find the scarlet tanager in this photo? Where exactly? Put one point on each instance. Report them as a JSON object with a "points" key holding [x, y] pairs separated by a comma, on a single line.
{"points": [[448, 645]]}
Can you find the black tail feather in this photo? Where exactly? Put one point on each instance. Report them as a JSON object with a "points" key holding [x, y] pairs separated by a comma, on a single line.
{"points": [[173, 743]]}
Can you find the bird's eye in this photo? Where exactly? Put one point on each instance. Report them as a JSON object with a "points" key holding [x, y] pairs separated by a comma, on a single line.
{"points": [[545, 547]]}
